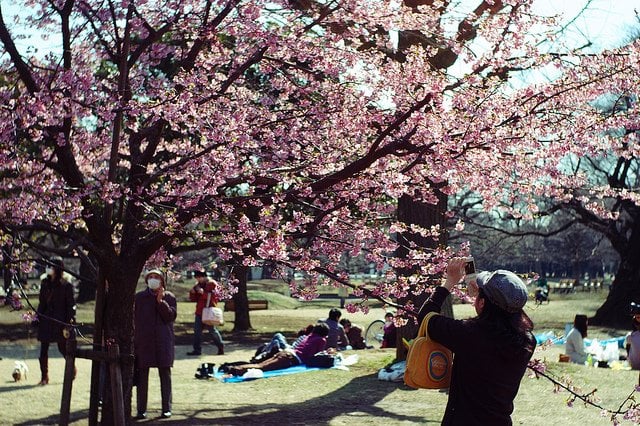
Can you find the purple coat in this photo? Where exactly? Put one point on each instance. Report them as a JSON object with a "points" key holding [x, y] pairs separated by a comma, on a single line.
{"points": [[154, 339]]}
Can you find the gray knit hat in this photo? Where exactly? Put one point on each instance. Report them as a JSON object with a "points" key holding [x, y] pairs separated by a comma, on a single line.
{"points": [[153, 271], [504, 288]]}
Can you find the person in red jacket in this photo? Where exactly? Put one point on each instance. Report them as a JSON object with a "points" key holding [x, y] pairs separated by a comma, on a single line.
{"points": [[205, 289]]}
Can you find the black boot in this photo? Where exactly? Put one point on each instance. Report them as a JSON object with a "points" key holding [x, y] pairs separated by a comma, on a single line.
{"points": [[221, 349], [210, 370], [44, 371]]}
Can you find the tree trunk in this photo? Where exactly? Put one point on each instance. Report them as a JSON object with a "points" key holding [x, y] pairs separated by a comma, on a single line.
{"points": [[614, 312], [6, 270], [241, 300], [118, 327], [411, 211], [88, 282]]}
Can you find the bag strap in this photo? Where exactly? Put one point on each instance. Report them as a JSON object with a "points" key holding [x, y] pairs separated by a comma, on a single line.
{"points": [[422, 332], [208, 300]]}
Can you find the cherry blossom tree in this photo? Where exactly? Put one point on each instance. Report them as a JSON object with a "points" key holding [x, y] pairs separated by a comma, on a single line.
{"points": [[280, 130]]}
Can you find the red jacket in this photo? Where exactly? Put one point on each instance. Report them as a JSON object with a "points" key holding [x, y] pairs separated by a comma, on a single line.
{"points": [[201, 298]]}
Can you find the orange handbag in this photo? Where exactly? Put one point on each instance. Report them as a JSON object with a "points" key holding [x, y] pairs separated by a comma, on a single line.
{"points": [[428, 363]]}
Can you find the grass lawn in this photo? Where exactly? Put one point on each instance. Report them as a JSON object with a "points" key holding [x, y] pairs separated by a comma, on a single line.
{"points": [[330, 397]]}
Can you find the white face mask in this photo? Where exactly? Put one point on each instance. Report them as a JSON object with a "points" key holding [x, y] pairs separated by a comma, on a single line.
{"points": [[153, 283]]}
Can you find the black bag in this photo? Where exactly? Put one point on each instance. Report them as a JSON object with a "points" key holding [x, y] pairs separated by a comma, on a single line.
{"points": [[322, 360], [205, 371]]}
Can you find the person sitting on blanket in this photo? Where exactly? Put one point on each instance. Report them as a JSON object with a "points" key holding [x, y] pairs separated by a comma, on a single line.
{"points": [[354, 334], [279, 342], [337, 337], [288, 357]]}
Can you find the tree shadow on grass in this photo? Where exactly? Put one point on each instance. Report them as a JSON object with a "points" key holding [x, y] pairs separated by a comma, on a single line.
{"points": [[356, 401], [75, 416]]}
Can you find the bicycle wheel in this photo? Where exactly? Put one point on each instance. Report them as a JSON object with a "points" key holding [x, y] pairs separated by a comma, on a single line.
{"points": [[374, 333]]}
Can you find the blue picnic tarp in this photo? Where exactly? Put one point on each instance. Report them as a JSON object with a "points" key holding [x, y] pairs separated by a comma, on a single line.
{"points": [[291, 370], [551, 337]]}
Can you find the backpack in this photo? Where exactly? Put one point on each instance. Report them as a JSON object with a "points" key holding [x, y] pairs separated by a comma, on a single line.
{"points": [[322, 360], [428, 362]]}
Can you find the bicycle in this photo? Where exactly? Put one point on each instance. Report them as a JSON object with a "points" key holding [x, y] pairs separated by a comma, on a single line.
{"points": [[374, 333]]}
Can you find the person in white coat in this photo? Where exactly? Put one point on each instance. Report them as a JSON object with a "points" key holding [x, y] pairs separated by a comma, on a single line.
{"points": [[574, 345]]}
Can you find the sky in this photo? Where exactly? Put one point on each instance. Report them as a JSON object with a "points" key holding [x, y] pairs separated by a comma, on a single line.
{"points": [[606, 22]]}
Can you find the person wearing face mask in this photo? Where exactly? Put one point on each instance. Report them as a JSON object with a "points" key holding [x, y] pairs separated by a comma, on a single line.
{"points": [[56, 308], [155, 311], [491, 351]]}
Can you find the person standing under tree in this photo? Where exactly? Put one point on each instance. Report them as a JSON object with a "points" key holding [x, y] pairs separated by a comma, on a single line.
{"points": [[56, 309], [491, 351], [155, 311], [205, 291]]}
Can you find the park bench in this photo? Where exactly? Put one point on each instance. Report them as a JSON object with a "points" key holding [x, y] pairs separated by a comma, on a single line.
{"points": [[594, 285], [254, 305], [564, 286]]}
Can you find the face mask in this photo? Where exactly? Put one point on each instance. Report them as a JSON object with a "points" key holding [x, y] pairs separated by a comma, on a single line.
{"points": [[153, 283]]}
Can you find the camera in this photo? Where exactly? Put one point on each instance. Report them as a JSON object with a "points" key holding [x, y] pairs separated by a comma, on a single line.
{"points": [[470, 267], [634, 309], [469, 274]]}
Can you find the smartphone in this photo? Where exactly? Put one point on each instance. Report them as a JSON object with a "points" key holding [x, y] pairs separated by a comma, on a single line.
{"points": [[470, 277], [470, 266]]}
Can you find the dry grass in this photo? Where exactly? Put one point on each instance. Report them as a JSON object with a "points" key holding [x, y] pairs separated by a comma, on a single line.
{"points": [[330, 397]]}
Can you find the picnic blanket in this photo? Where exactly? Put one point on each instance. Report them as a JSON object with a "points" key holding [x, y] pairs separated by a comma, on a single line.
{"points": [[301, 368], [226, 378], [551, 337]]}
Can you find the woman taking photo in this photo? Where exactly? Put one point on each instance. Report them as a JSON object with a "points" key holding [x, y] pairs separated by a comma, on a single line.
{"points": [[491, 351]]}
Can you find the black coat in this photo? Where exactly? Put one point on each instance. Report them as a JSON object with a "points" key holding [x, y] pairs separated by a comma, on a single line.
{"points": [[154, 339], [485, 378], [56, 303]]}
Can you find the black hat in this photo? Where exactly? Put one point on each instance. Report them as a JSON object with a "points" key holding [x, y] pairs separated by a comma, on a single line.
{"points": [[199, 274]]}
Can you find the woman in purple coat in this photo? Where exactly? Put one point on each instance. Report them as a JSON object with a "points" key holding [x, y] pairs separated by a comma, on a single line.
{"points": [[154, 314]]}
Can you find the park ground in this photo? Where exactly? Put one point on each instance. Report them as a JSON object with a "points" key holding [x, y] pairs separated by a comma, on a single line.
{"points": [[328, 397]]}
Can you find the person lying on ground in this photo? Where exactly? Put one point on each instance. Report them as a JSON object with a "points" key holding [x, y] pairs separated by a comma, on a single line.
{"points": [[277, 343], [311, 345]]}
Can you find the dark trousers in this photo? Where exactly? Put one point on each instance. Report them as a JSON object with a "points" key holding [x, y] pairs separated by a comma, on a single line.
{"points": [[143, 388], [44, 355]]}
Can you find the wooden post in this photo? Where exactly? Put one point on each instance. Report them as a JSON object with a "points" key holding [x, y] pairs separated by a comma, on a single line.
{"points": [[69, 375], [116, 384], [96, 390]]}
